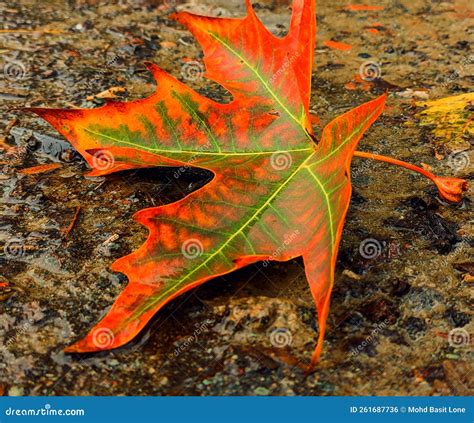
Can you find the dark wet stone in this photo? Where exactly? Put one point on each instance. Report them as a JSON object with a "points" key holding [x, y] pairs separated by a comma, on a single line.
{"points": [[418, 204], [432, 373], [401, 288], [381, 84], [364, 55], [49, 73], [352, 321], [264, 321], [422, 219], [381, 310], [88, 24], [357, 199], [395, 336], [361, 344], [462, 45], [144, 51], [326, 386], [457, 318], [331, 66], [68, 156], [465, 267], [414, 326], [51, 147], [422, 298]]}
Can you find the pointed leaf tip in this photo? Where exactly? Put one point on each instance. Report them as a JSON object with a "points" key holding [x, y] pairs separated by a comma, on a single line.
{"points": [[154, 69]]}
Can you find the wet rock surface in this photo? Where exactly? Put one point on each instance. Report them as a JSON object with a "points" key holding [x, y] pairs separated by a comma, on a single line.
{"points": [[400, 321]]}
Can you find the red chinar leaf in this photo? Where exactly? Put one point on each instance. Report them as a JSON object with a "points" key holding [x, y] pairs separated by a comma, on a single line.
{"points": [[275, 195]]}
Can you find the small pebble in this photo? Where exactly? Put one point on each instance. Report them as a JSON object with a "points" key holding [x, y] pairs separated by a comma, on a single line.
{"points": [[261, 391], [16, 391]]}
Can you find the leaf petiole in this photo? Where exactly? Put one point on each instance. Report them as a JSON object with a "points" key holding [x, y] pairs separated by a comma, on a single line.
{"points": [[450, 189]]}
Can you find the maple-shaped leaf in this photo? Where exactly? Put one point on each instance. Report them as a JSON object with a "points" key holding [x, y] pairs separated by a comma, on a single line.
{"points": [[275, 195]]}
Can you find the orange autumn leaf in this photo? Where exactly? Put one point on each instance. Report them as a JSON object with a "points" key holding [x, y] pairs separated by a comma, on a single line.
{"points": [[373, 31], [362, 8], [35, 170], [358, 83], [337, 45], [277, 192]]}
